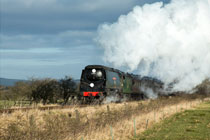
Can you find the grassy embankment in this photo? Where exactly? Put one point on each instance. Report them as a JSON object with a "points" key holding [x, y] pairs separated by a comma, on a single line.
{"points": [[192, 124], [92, 122]]}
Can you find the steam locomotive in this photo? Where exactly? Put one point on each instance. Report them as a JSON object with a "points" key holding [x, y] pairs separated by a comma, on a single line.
{"points": [[101, 82]]}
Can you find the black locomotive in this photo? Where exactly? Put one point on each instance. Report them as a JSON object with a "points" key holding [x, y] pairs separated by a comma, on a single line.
{"points": [[101, 82]]}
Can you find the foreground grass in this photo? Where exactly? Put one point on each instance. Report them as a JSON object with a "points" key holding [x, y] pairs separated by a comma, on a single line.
{"points": [[91, 122], [188, 125]]}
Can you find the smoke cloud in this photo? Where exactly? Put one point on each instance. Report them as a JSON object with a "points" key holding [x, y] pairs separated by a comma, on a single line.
{"points": [[170, 42], [149, 92]]}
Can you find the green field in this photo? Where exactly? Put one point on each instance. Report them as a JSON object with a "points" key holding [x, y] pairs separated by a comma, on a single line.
{"points": [[5, 104], [188, 125]]}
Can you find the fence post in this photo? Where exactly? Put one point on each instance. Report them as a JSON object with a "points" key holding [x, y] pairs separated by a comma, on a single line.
{"points": [[163, 114], [108, 109], [134, 125], [147, 123], [77, 115], [169, 111], [111, 133], [154, 116]]}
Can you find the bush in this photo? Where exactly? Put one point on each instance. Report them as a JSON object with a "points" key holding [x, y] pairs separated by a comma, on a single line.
{"points": [[40, 90], [46, 90], [67, 88]]}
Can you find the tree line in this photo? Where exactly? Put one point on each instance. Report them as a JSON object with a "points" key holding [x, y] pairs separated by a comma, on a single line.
{"points": [[41, 90]]}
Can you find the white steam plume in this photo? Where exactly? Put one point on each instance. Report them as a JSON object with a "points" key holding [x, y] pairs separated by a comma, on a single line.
{"points": [[149, 92], [170, 42]]}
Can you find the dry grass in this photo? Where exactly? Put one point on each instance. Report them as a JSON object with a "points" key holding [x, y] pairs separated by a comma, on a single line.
{"points": [[92, 122]]}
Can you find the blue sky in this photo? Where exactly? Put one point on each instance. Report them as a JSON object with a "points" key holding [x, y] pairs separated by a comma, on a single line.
{"points": [[54, 38]]}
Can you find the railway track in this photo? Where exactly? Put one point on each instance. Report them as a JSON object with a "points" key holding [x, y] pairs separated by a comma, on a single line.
{"points": [[11, 110]]}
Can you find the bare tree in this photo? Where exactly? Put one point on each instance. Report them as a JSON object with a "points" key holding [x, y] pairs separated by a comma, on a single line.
{"points": [[67, 88]]}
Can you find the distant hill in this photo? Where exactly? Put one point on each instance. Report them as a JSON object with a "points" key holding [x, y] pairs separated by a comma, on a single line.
{"points": [[9, 82]]}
